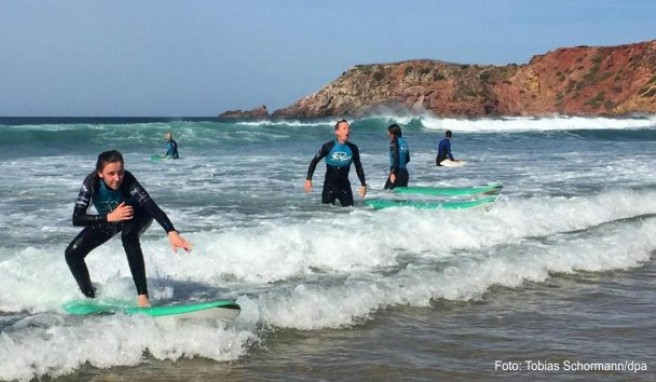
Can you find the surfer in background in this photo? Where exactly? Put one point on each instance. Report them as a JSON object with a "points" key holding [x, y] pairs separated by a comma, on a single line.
{"points": [[339, 154], [444, 149], [124, 206], [171, 147], [399, 158]]}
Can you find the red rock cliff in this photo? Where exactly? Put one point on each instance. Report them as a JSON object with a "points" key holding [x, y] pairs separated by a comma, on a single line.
{"points": [[583, 80]]}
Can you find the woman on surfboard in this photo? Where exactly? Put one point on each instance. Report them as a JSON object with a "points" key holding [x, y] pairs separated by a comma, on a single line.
{"points": [[124, 206]]}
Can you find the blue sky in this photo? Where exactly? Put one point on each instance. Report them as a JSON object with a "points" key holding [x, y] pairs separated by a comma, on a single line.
{"points": [[202, 57]]}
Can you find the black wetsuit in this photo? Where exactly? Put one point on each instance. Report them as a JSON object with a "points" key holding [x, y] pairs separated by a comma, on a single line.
{"points": [[97, 230], [338, 163], [399, 158]]}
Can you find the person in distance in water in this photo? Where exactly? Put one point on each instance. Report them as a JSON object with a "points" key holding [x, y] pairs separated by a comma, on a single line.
{"points": [[399, 158], [444, 149], [171, 147], [124, 206], [339, 154]]}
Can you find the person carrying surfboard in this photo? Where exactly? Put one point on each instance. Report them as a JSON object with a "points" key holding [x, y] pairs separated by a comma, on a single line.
{"points": [[399, 158], [339, 154], [444, 149], [124, 206]]}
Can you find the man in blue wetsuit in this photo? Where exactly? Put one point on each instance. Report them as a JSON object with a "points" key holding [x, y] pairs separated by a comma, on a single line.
{"points": [[444, 149], [339, 154], [399, 158], [171, 147]]}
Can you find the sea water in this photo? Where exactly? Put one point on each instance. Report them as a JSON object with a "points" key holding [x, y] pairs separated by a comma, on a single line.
{"points": [[555, 281]]}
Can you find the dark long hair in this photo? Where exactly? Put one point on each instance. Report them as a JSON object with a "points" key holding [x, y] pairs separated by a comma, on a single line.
{"points": [[395, 130], [111, 156]]}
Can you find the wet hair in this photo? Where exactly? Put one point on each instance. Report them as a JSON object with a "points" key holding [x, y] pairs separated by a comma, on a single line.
{"points": [[448, 133], [395, 130], [340, 121], [111, 156]]}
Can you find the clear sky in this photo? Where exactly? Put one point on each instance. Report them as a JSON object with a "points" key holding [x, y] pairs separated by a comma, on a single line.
{"points": [[202, 57]]}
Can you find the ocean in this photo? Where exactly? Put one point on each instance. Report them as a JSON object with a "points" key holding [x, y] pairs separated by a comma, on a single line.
{"points": [[554, 282]]}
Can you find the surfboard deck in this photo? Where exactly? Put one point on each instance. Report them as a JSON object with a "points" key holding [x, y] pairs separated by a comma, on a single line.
{"points": [[449, 205], [450, 163], [490, 189], [222, 309]]}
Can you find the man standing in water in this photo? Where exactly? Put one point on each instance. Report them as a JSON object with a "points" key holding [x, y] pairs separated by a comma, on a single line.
{"points": [[444, 149], [339, 154], [171, 147]]}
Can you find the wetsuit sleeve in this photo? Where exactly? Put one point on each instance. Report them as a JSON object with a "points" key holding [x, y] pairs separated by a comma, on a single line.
{"points": [[395, 156], [80, 216], [169, 150], [140, 197], [448, 150], [323, 151], [358, 164], [408, 158]]}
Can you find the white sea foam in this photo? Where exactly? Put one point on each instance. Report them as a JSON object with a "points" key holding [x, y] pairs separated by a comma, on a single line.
{"points": [[498, 124], [57, 347], [275, 251], [290, 123], [528, 124], [32, 349], [471, 274]]}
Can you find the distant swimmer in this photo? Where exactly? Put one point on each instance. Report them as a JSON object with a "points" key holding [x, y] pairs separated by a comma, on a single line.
{"points": [[444, 150], [171, 147], [339, 154], [399, 158], [124, 206]]}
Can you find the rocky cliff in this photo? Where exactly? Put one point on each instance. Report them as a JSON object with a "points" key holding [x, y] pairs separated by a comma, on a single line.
{"points": [[582, 80], [256, 114]]}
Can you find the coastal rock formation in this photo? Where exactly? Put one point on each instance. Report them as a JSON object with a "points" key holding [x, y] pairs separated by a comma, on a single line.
{"points": [[256, 114], [581, 80]]}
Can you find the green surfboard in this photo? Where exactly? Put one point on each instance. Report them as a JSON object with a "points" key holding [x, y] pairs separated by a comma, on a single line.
{"points": [[449, 205], [223, 309], [490, 189]]}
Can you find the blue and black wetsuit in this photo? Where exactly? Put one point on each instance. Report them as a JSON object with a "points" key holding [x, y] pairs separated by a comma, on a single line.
{"points": [[339, 157], [443, 151], [172, 150], [399, 158], [97, 230]]}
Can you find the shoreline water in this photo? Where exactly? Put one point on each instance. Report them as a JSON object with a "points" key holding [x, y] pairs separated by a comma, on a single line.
{"points": [[462, 340], [560, 268]]}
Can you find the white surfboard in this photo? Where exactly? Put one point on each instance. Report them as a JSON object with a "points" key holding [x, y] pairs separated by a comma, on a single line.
{"points": [[452, 163]]}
